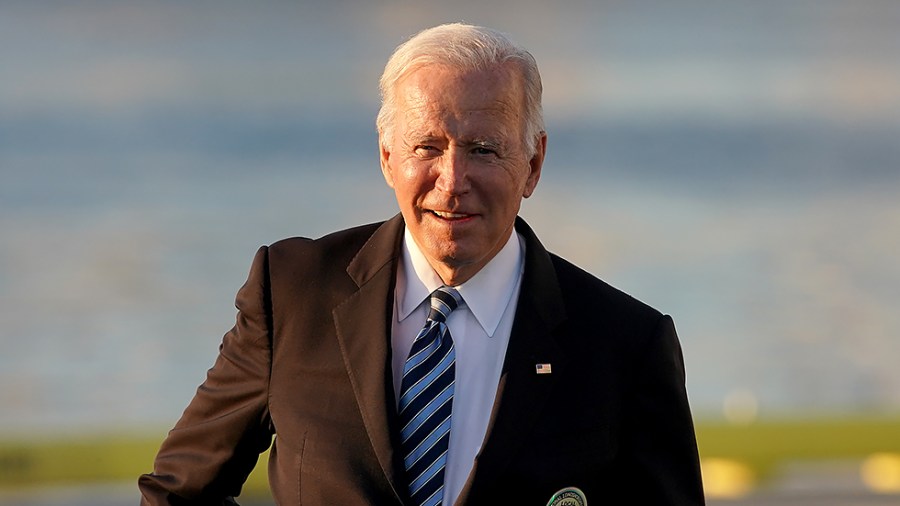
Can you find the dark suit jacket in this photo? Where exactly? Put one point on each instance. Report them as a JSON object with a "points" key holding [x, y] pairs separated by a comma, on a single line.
{"points": [[309, 361]]}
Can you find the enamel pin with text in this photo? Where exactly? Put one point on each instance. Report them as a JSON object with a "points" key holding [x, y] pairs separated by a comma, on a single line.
{"points": [[569, 496], [543, 368]]}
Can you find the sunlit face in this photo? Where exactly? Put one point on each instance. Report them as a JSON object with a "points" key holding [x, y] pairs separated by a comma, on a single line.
{"points": [[458, 165]]}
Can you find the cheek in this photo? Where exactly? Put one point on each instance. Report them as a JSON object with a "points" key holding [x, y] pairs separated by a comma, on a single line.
{"points": [[407, 174], [509, 185], [411, 179]]}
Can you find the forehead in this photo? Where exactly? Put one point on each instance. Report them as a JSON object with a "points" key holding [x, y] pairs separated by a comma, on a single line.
{"points": [[458, 98]]}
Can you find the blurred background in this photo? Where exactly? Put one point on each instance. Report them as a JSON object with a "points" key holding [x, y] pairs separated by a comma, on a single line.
{"points": [[734, 164]]}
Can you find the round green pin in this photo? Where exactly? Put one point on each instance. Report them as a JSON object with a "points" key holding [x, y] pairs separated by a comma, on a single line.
{"points": [[569, 496]]}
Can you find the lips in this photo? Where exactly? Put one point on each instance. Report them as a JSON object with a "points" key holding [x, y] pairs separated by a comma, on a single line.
{"points": [[447, 215]]}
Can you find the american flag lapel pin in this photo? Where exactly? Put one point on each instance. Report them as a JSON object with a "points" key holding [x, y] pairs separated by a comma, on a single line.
{"points": [[542, 368]]}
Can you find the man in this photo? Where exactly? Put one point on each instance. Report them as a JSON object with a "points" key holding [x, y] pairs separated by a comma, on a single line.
{"points": [[531, 382]]}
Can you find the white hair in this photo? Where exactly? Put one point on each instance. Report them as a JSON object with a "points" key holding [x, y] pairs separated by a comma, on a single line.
{"points": [[465, 47]]}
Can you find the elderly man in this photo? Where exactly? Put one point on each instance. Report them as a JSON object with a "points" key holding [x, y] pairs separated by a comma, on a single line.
{"points": [[443, 356]]}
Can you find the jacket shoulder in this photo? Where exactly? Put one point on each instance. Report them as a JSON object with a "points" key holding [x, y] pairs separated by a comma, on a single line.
{"points": [[336, 248], [585, 293]]}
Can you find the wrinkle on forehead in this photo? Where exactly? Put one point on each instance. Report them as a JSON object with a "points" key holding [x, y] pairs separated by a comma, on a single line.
{"points": [[460, 102]]}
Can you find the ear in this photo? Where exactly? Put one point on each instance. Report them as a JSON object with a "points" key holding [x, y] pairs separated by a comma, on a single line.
{"points": [[535, 164], [385, 156]]}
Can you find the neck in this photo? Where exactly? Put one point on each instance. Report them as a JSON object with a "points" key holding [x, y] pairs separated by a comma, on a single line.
{"points": [[454, 276]]}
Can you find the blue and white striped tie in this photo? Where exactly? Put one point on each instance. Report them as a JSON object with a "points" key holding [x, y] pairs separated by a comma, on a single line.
{"points": [[426, 401]]}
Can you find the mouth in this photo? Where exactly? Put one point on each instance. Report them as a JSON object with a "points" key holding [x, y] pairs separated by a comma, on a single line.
{"points": [[450, 216]]}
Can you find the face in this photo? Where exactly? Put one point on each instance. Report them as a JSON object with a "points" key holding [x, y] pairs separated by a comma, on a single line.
{"points": [[458, 165]]}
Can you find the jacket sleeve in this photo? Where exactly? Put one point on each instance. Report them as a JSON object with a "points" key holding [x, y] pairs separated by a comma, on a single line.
{"points": [[660, 460], [207, 456]]}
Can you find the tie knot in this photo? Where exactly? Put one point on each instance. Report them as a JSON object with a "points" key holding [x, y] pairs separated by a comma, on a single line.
{"points": [[443, 300]]}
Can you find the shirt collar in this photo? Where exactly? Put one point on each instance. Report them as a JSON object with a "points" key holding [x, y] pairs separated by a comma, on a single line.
{"points": [[486, 294]]}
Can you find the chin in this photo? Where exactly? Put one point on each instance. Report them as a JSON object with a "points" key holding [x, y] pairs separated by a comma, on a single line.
{"points": [[445, 256]]}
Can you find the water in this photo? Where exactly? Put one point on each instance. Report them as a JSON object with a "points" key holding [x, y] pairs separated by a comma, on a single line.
{"points": [[743, 180]]}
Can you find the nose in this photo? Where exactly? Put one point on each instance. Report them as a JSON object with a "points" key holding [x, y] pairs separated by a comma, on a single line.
{"points": [[452, 173]]}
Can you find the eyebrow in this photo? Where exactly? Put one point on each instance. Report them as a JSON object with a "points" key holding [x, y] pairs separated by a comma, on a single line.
{"points": [[481, 141], [414, 136]]}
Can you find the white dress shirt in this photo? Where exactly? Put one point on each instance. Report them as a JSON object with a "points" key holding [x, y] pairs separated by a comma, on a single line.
{"points": [[480, 329]]}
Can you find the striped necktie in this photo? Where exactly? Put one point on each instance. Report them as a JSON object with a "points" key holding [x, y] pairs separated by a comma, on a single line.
{"points": [[426, 401]]}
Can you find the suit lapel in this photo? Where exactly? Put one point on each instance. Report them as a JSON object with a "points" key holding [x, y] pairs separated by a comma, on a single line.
{"points": [[362, 327], [522, 394]]}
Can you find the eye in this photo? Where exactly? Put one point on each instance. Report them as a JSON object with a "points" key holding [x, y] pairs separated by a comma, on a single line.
{"points": [[426, 150], [484, 151]]}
